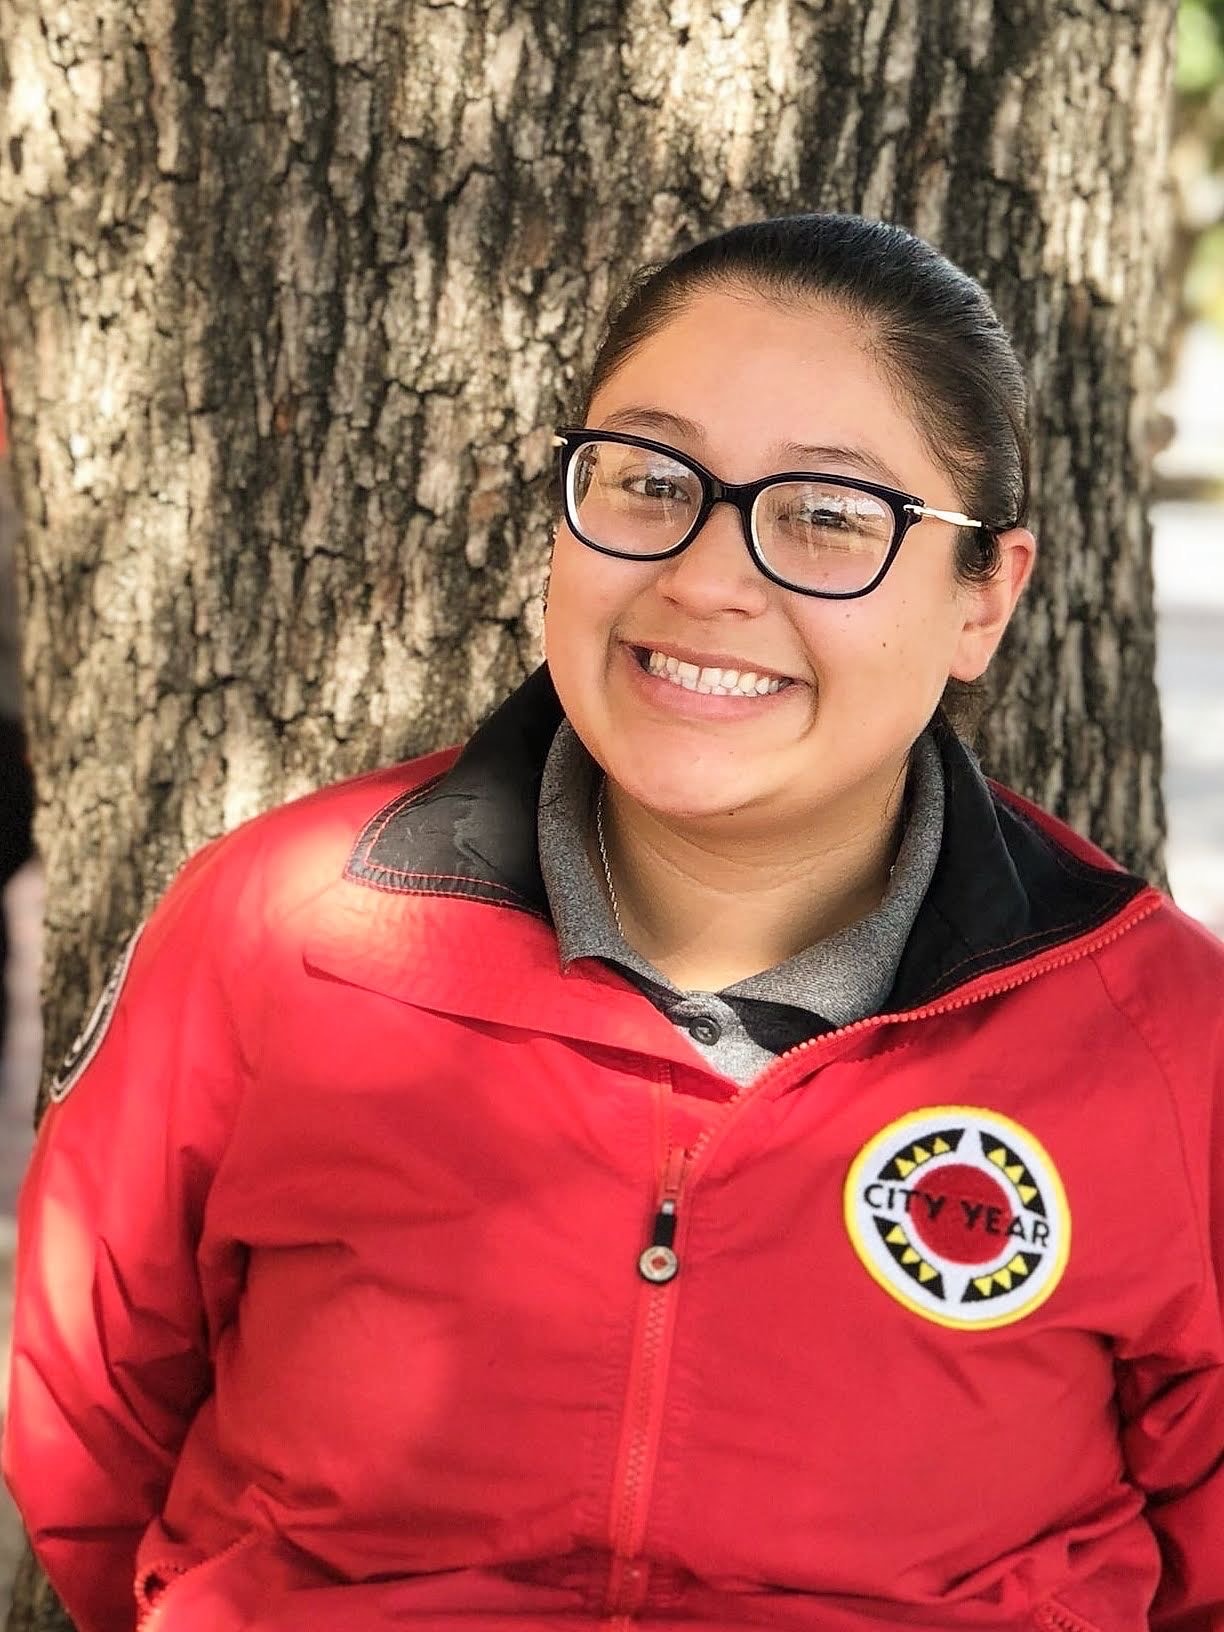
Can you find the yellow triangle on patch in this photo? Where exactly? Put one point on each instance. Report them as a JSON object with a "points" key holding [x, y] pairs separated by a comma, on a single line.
{"points": [[941, 1147], [1027, 1192], [896, 1236], [1018, 1266], [998, 1156], [1002, 1277], [920, 1154], [909, 1256], [905, 1168], [926, 1273], [984, 1284], [1016, 1173]]}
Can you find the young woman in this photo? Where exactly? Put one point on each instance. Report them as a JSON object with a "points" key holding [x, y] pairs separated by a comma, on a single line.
{"points": [[701, 1156]]}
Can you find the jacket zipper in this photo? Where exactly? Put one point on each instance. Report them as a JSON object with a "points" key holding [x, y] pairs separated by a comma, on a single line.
{"points": [[166, 1574], [659, 1262], [1052, 1617], [1140, 907], [1019, 975], [657, 1266], [169, 1575]]}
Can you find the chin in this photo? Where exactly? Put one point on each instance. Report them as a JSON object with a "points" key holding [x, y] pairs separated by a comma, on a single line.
{"points": [[682, 793]]}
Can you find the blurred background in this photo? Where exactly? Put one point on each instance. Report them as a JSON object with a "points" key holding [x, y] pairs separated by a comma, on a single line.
{"points": [[1188, 525], [1188, 520]]}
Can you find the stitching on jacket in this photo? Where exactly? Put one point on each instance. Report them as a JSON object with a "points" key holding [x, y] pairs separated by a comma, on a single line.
{"points": [[454, 878], [378, 823], [364, 869], [989, 954], [514, 901], [1062, 932]]}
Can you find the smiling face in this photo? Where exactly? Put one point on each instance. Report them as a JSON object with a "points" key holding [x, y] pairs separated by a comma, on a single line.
{"points": [[750, 388]]}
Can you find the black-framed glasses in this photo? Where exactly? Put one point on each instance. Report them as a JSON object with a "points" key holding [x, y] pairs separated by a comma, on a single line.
{"points": [[825, 535]]}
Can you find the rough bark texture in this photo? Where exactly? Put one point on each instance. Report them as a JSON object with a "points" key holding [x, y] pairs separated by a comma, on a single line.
{"points": [[292, 292]]}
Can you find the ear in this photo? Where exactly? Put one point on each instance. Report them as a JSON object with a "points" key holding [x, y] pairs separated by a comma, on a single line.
{"points": [[988, 605]]}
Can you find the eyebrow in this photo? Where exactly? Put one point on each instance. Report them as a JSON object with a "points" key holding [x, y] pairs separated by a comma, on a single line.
{"points": [[791, 455]]}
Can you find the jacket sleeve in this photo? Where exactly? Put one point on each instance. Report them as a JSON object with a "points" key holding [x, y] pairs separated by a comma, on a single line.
{"points": [[1172, 1402], [112, 1324]]}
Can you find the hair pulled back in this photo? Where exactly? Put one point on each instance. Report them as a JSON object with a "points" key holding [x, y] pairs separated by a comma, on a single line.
{"points": [[929, 326]]}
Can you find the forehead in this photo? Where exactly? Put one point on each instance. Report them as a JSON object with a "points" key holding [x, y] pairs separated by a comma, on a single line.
{"points": [[755, 376]]}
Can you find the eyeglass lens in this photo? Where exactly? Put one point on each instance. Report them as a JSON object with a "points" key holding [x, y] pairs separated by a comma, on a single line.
{"points": [[817, 535]]}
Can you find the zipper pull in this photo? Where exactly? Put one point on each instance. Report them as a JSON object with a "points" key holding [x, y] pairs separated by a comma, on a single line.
{"points": [[659, 1263]]}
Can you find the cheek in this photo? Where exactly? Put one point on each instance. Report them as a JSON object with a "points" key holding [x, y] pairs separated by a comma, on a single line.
{"points": [[588, 597], [568, 613], [884, 665], [582, 611], [852, 644], [913, 627]]}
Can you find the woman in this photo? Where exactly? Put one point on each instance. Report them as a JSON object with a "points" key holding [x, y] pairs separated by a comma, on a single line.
{"points": [[702, 1156]]}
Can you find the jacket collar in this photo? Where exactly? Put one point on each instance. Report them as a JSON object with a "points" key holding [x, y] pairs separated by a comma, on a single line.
{"points": [[1010, 883], [471, 832]]}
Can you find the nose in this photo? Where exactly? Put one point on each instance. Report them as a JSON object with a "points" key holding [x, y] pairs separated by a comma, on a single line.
{"points": [[714, 573]]}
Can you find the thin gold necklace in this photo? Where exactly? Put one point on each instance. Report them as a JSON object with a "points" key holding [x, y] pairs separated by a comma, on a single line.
{"points": [[603, 856]]}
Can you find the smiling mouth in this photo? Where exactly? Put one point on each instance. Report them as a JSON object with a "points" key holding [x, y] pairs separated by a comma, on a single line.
{"points": [[710, 682]]}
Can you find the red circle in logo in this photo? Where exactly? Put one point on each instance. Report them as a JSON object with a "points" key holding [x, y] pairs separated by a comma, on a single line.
{"points": [[961, 1214]]}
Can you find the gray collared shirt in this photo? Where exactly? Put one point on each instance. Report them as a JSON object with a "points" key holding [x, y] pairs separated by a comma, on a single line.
{"points": [[741, 1029]]}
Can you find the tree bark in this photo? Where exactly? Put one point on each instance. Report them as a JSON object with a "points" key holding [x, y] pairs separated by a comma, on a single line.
{"points": [[293, 291]]}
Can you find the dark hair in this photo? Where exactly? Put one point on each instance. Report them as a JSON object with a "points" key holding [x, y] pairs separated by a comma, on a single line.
{"points": [[929, 325]]}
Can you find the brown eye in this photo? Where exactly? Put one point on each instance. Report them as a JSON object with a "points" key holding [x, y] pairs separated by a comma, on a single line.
{"points": [[656, 487]]}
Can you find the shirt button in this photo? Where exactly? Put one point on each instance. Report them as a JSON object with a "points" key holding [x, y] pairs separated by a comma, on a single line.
{"points": [[705, 1030]]}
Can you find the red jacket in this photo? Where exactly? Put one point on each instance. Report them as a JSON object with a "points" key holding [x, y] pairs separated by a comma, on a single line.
{"points": [[345, 1286]]}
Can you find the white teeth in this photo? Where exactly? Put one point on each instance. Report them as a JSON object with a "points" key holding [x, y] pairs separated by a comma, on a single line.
{"points": [[712, 682]]}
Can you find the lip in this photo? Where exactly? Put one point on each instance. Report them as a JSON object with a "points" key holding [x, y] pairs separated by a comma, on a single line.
{"points": [[665, 700], [708, 660]]}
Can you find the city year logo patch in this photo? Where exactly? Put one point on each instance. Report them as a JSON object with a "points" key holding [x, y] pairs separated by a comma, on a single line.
{"points": [[959, 1214]]}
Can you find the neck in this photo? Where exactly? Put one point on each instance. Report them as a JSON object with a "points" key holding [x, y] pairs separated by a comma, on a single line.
{"points": [[708, 908]]}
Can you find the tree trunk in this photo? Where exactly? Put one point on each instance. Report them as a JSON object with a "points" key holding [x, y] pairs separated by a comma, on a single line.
{"points": [[292, 293]]}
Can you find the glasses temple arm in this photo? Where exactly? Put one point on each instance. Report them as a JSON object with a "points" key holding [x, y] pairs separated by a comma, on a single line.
{"points": [[954, 516]]}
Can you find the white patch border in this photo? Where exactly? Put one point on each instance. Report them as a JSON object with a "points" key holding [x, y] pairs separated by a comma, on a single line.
{"points": [[979, 1119], [93, 1033]]}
